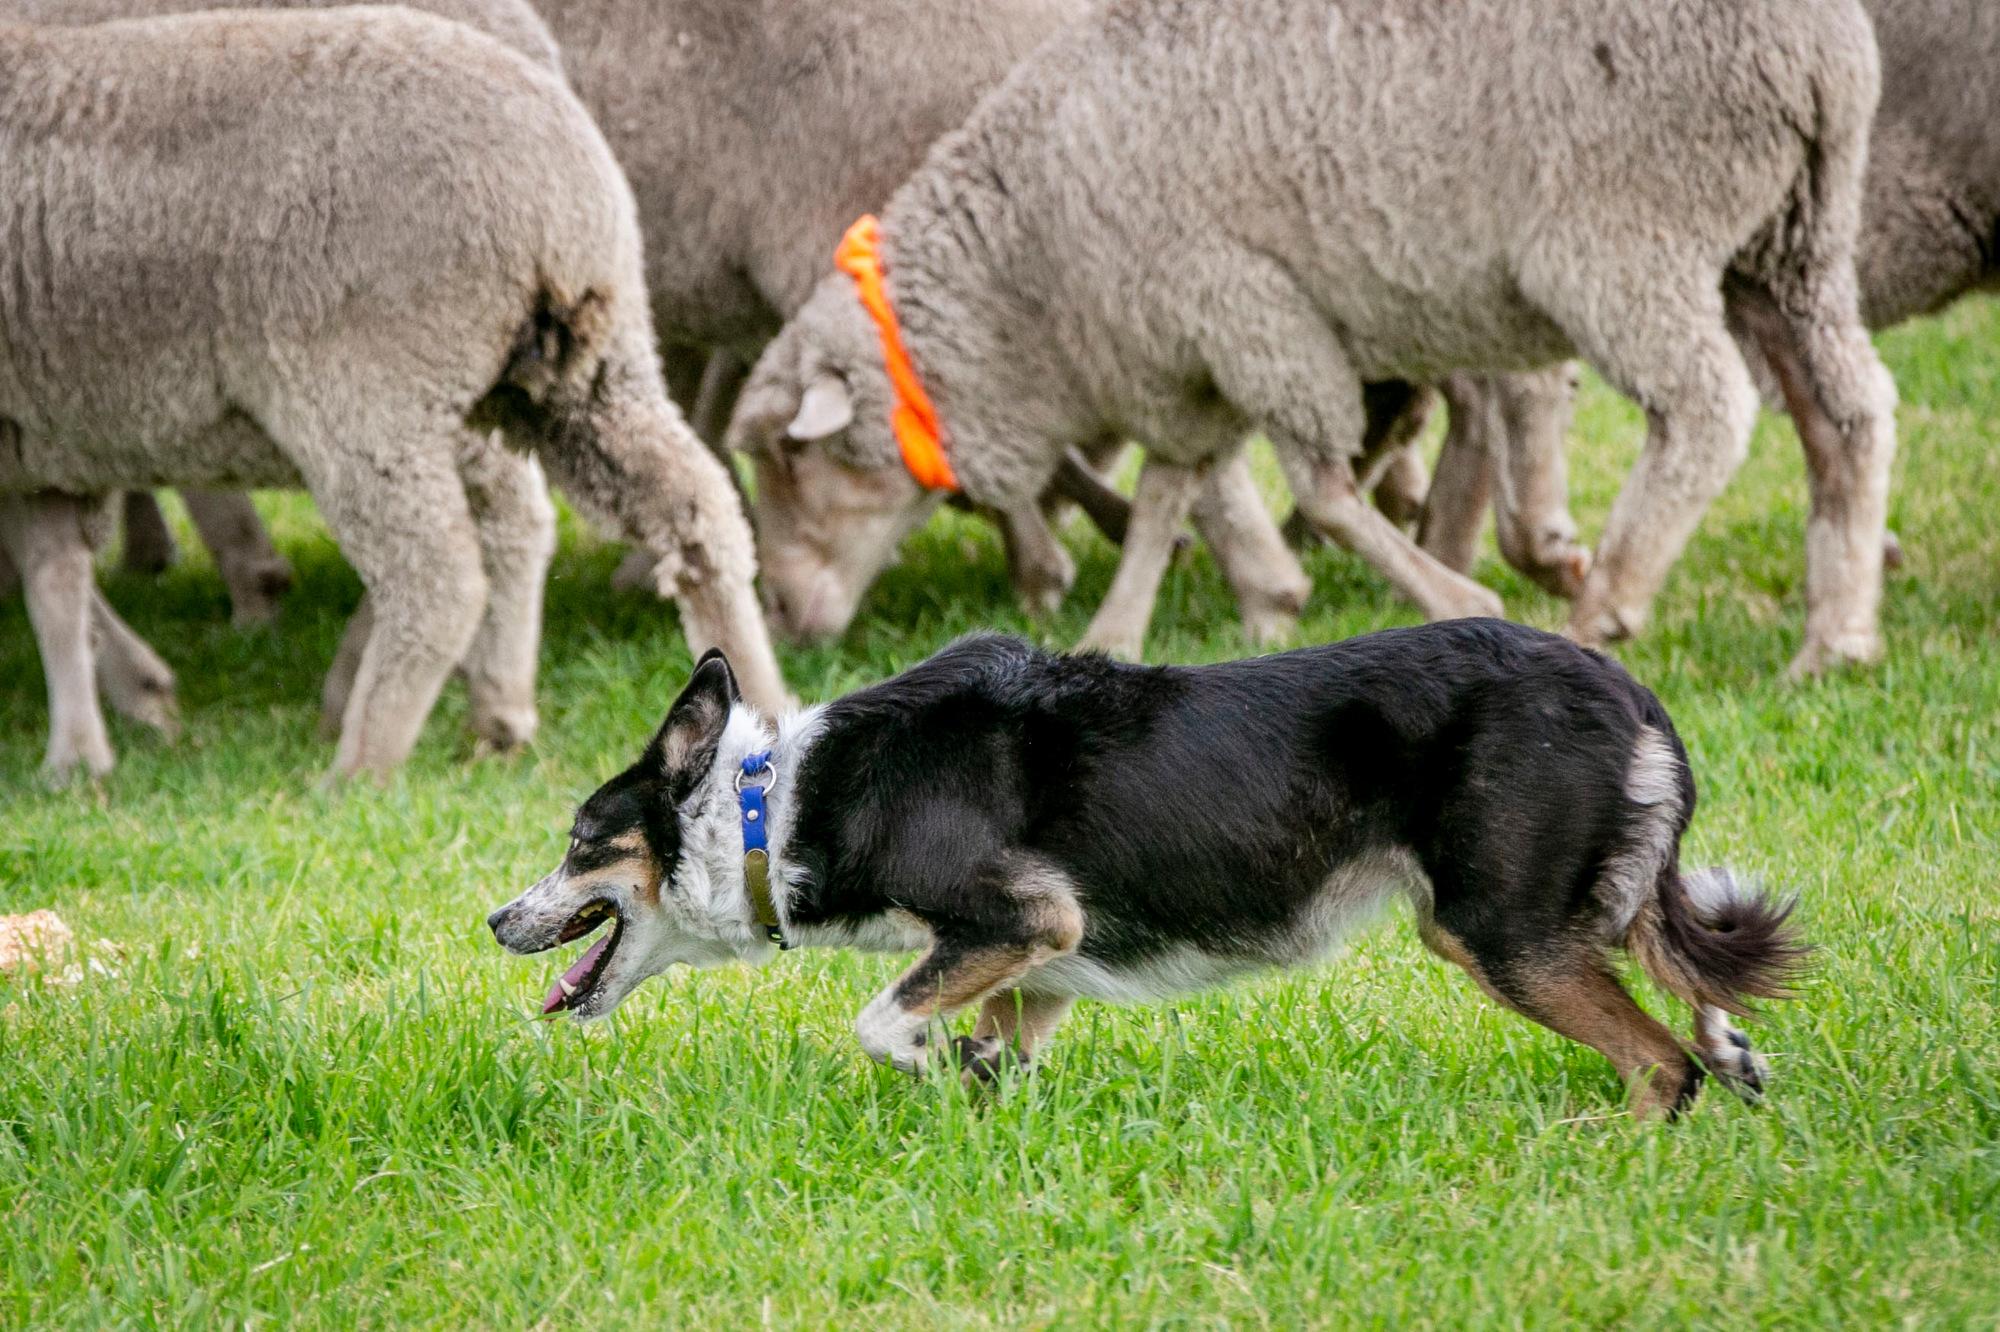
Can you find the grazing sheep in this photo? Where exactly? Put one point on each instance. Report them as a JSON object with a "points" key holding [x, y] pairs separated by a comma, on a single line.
{"points": [[1187, 219], [256, 575], [1930, 233], [743, 193], [481, 268]]}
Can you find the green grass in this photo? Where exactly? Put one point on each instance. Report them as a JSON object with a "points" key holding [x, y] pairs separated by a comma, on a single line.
{"points": [[311, 1094]]}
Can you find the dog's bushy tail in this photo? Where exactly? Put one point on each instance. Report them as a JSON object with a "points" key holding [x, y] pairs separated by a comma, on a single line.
{"points": [[1714, 941]]}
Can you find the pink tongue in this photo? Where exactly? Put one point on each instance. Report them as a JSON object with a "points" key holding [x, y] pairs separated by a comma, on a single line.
{"points": [[557, 1000]]}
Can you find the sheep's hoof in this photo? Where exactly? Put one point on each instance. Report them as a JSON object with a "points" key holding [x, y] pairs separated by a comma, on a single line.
{"points": [[1474, 603], [503, 731], [63, 768], [253, 603], [635, 573], [1892, 552], [1268, 627], [1119, 644], [1822, 656]]}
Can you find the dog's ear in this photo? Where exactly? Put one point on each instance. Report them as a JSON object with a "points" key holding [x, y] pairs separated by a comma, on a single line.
{"points": [[684, 750]]}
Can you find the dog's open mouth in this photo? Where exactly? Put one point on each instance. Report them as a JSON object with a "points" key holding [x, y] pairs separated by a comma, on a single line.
{"points": [[581, 980]]}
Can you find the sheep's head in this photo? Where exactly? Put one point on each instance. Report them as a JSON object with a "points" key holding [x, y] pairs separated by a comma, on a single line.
{"points": [[834, 500]]}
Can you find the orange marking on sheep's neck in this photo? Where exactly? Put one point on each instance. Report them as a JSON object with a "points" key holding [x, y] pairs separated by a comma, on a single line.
{"points": [[912, 416]]}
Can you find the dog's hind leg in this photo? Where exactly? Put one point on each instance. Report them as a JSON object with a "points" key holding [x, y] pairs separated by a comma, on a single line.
{"points": [[1568, 986], [1027, 914], [1725, 1051]]}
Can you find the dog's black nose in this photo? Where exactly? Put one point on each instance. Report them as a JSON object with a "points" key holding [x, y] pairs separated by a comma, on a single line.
{"points": [[499, 918]]}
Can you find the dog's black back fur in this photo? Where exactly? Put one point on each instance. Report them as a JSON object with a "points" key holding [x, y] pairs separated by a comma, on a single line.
{"points": [[1209, 805]]}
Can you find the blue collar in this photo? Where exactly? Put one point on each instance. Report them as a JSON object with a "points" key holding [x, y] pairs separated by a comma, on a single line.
{"points": [[757, 777]]}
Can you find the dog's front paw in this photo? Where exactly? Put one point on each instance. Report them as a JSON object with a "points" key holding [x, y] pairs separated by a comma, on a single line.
{"points": [[982, 1059]]}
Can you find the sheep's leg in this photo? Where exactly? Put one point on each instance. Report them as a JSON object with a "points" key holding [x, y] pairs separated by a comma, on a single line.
{"points": [[339, 684], [516, 526], [1166, 493], [1843, 404], [1455, 510], [149, 543], [44, 535], [1079, 483], [1040, 569], [1289, 372], [1670, 351], [388, 485], [1531, 514], [136, 682], [1396, 412], [257, 575], [1400, 486], [1271, 589], [722, 381]]}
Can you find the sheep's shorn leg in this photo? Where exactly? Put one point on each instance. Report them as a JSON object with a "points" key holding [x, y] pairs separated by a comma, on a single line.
{"points": [[1455, 510], [1166, 493], [1027, 915], [135, 681], [339, 683], [1283, 367], [256, 574], [45, 538], [149, 543], [516, 526], [1529, 453], [1271, 589], [387, 482], [1038, 566], [1658, 335]]}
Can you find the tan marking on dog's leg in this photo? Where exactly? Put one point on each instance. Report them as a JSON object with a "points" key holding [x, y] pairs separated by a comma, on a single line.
{"points": [[1021, 1020], [1574, 993], [960, 970]]}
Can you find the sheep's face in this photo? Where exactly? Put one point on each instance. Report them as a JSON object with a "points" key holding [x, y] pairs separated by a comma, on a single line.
{"points": [[833, 498]]}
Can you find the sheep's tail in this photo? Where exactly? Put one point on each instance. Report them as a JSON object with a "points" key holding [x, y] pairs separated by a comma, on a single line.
{"points": [[1713, 941]]}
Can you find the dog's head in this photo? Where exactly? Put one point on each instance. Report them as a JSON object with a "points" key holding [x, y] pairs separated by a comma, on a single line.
{"points": [[639, 860]]}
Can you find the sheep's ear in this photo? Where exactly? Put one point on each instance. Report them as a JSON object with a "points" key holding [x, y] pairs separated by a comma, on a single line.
{"points": [[826, 409], [684, 750]]}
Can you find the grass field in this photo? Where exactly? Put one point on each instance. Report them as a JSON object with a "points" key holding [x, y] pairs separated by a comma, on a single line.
{"points": [[310, 1092]]}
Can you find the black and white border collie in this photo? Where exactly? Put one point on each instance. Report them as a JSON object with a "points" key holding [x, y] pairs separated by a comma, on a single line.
{"points": [[1047, 828]]}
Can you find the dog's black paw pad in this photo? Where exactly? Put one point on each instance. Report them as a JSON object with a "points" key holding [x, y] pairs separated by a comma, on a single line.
{"points": [[982, 1059], [1740, 1067]]}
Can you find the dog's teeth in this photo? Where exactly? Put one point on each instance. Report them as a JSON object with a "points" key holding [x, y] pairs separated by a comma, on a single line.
{"points": [[567, 989]]}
